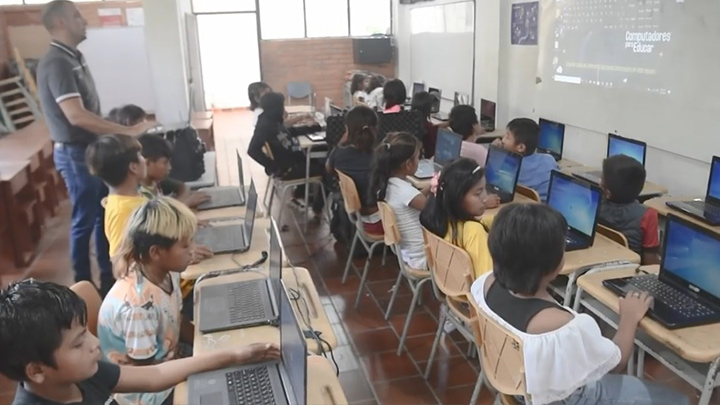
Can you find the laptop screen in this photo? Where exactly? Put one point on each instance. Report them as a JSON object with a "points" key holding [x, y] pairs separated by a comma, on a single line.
{"points": [[293, 350], [618, 145], [714, 182], [577, 201], [276, 260], [417, 88], [502, 169], [692, 255], [552, 137], [438, 96], [250, 208], [447, 147]]}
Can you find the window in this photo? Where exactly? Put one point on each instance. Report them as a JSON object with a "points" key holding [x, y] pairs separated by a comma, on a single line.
{"points": [[282, 19], [8, 2], [326, 18], [368, 17], [222, 6]]}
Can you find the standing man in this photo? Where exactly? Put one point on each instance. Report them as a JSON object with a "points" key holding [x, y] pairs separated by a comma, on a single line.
{"points": [[72, 112]]}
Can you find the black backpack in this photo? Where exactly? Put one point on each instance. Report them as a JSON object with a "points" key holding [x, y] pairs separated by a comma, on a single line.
{"points": [[188, 151], [341, 227]]}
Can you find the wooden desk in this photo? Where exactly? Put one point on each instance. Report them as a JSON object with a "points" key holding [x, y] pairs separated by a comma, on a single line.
{"points": [[204, 127], [298, 109], [21, 210], [663, 210], [687, 346], [518, 199], [299, 280], [323, 386], [650, 190], [567, 163]]}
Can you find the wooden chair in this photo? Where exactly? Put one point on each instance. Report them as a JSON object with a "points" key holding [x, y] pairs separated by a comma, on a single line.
{"points": [[501, 354], [352, 203], [416, 278], [449, 266], [613, 235], [527, 192], [87, 291]]}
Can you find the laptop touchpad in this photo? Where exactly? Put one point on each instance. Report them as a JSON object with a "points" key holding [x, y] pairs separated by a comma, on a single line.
{"points": [[215, 304], [211, 399]]}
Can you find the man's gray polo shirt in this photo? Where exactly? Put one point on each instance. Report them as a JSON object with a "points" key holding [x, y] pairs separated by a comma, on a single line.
{"points": [[63, 74]]}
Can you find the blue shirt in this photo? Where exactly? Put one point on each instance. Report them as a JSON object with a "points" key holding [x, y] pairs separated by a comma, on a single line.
{"points": [[535, 172]]}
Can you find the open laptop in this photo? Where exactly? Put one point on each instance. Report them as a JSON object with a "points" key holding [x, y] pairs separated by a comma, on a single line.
{"points": [[447, 149], [461, 99], [417, 88], [247, 303], [502, 169], [276, 382], [435, 110], [617, 145], [552, 138], [579, 203], [487, 114], [687, 290], [230, 238], [708, 210], [226, 196]]}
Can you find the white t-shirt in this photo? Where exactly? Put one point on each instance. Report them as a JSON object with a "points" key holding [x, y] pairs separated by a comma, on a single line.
{"points": [[256, 115], [360, 98], [398, 196], [375, 98]]}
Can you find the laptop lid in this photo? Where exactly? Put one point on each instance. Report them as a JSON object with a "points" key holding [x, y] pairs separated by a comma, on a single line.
{"points": [[713, 190], [487, 114], [552, 138], [447, 147], [502, 169], [275, 260], [293, 351], [241, 175], [417, 88], [577, 201], [691, 258], [436, 103], [618, 145], [250, 208]]}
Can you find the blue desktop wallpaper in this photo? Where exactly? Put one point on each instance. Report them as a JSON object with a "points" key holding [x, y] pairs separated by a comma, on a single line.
{"points": [[577, 203], [620, 147], [448, 146], [693, 256], [501, 169], [714, 189], [551, 136]]}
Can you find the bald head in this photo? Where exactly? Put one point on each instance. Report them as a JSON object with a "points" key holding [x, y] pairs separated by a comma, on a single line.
{"points": [[54, 11]]}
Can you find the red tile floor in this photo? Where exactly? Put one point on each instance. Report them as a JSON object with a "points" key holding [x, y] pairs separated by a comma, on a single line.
{"points": [[370, 371]]}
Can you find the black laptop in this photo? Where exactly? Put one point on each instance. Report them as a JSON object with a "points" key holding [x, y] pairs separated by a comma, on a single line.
{"points": [[579, 203], [617, 145], [552, 138], [708, 210], [502, 169], [687, 290]]}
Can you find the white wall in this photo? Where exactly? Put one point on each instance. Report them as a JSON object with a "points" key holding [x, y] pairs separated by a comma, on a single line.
{"points": [[508, 73], [166, 46]]}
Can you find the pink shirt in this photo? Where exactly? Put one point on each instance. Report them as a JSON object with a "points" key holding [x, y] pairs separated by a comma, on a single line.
{"points": [[393, 109], [474, 151]]}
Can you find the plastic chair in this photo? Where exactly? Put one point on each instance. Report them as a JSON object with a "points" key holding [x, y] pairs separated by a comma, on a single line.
{"points": [[501, 354], [351, 200], [448, 265], [527, 192], [403, 121], [416, 278], [613, 235], [87, 291], [300, 90]]}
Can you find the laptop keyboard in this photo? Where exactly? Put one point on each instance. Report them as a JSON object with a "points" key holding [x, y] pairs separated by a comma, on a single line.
{"points": [[708, 209], [221, 238], [670, 296], [250, 386], [246, 303]]}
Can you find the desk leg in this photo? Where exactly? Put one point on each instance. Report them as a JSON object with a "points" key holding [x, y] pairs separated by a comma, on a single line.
{"points": [[709, 383], [307, 182]]}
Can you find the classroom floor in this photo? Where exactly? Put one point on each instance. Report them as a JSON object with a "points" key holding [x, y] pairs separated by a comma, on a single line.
{"points": [[370, 371]]}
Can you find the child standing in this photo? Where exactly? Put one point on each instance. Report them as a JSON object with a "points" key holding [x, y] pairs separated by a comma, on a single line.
{"points": [[358, 85], [622, 181], [375, 92], [455, 211], [395, 159], [464, 121], [140, 321], [255, 92]]}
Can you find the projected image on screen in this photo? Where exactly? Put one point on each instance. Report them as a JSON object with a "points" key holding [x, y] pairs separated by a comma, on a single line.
{"points": [[693, 256], [577, 203], [615, 44]]}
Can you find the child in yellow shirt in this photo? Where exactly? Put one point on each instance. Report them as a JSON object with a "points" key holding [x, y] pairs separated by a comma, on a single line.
{"points": [[455, 211]]}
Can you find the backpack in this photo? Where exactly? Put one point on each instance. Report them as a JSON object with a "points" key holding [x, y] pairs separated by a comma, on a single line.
{"points": [[341, 227], [188, 154]]}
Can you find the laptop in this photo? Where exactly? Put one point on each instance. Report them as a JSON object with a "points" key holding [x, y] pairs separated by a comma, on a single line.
{"points": [[282, 382], [461, 99], [487, 114], [417, 88], [226, 196], [686, 292], [318, 136], [617, 145], [708, 210], [230, 238], [447, 149], [247, 303], [502, 169], [579, 203], [552, 138]]}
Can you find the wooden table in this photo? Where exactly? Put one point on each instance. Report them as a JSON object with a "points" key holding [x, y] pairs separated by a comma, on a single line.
{"points": [[298, 279], [692, 353], [21, 211], [323, 386], [298, 109], [228, 212], [650, 190], [567, 163], [204, 127], [659, 204]]}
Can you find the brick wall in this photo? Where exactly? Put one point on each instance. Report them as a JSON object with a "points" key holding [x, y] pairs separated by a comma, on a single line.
{"points": [[323, 62]]}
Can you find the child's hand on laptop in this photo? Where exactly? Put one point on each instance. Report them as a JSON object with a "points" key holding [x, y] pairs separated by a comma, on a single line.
{"points": [[195, 199], [634, 306], [200, 253], [257, 352], [492, 201]]}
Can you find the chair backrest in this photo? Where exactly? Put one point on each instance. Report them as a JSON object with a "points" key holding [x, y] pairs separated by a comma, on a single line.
{"points": [[299, 89], [390, 227], [403, 121], [349, 192], [613, 235], [335, 128], [527, 192], [501, 352], [87, 291], [448, 265]]}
